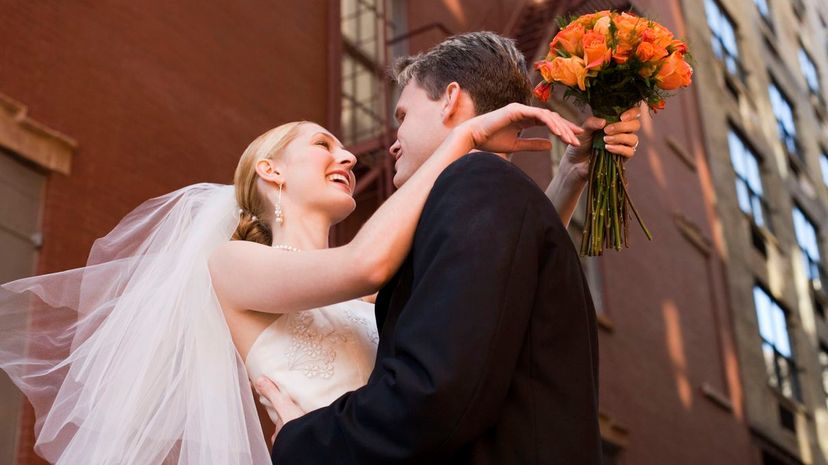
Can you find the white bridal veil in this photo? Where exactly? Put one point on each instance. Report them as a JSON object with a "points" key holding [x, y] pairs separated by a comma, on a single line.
{"points": [[129, 359]]}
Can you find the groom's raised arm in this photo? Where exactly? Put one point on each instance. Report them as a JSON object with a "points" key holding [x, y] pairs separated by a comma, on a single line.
{"points": [[476, 256]]}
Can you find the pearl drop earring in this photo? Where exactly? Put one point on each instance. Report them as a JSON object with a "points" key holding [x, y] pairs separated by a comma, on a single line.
{"points": [[280, 217]]}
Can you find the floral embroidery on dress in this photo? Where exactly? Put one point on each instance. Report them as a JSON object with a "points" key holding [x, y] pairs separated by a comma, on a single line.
{"points": [[311, 351], [368, 330]]}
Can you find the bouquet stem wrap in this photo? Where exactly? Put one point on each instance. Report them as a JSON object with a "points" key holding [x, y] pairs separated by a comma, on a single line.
{"points": [[608, 202]]}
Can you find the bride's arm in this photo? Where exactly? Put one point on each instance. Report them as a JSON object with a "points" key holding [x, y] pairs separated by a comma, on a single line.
{"points": [[248, 276]]}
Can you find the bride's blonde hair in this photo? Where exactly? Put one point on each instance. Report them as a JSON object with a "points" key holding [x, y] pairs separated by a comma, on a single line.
{"points": [[252, 202]]}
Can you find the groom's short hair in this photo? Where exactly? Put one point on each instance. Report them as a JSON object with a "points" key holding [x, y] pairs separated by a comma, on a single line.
{"points": [[488, 66]]}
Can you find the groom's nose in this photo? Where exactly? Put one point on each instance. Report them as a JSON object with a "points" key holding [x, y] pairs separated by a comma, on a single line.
{"points": [[395, 149]]}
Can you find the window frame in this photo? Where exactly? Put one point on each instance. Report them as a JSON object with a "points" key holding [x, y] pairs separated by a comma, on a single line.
{"points": [[789, 140], [776, 378], [813, 266], [742, 179], [802, 67], [719, 43]]}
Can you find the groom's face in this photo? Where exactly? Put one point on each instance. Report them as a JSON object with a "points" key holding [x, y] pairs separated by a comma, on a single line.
{"points": [[421, 130]]}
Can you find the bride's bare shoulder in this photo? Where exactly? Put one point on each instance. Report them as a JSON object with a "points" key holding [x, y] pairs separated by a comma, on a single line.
{"points": [[229, 254], [235, 247]]}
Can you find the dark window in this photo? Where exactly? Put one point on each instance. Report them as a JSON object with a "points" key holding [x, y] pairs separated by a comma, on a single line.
{"points": [[724, 38], [807, 239], [748, 179], [776, 344], [764, 10], [823, 164], [785, 121], [787, 418], [809, 70]]}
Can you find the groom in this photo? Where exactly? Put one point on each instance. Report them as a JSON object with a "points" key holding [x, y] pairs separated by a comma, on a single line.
{"points": [[488, 350]]}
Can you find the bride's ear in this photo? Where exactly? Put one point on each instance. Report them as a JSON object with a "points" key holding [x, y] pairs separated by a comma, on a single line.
{"points": [[269, 171]]}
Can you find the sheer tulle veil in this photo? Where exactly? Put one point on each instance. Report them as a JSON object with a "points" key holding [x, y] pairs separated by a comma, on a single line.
{"points": [[129, 360]]}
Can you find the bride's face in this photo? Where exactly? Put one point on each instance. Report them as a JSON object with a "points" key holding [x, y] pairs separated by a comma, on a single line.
{"points": [[318, 173]]}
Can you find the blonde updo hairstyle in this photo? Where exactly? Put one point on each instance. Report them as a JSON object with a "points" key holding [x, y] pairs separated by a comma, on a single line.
{"points": [[253, 203]]}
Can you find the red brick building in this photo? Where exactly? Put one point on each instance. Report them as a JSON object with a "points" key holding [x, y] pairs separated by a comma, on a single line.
{"points": [[105, 105]]}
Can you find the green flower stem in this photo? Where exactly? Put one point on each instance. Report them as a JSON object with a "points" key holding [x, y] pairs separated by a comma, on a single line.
{"points": [[632, 205], [608, 202]]}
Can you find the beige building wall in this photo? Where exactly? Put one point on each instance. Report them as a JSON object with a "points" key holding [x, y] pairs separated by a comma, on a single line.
{"points": [[769, 255]]}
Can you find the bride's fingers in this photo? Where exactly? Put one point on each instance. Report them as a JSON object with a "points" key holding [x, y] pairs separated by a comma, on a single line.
{"points": [[622, 139], [563, 131]]}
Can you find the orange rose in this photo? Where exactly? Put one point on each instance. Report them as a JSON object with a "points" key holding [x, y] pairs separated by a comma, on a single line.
{"points": [[663, 36], [569, 39], [647, 51], [545, 68], [629, 26], [622, 52], [602, 25], [596, 52], [543, 90], [674, 73], [659, 105], [588, 20], [678, 47], [569, 71]]}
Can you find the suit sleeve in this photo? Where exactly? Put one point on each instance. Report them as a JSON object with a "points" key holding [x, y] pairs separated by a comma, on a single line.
{"points": [[456, 344]]}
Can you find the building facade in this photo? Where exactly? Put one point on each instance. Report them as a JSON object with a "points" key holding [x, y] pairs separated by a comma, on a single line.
{"points": [[761, 67]]}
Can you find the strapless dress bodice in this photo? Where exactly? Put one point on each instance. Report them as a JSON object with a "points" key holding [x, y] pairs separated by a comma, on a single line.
{"points": [[317, 355]]}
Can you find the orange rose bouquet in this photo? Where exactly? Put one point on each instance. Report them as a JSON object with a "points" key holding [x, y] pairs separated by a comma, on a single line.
{"points": [[612, 61]]}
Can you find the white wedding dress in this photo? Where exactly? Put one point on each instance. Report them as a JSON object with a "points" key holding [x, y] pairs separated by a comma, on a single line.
{"points": [[316, 355], [129, 360]]}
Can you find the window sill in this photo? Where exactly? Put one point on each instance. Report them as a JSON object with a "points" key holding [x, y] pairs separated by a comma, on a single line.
{"points": [[796, 406], [605, 323], [717, 397], [819, 104], [33, 141], [766, 233]]}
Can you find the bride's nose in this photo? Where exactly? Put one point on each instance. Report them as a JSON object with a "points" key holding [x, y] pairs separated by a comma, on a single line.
{"points": [[346, 159]]}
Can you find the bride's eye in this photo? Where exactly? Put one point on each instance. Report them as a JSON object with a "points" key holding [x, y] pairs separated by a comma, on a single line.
{"points": [[323, 143]]}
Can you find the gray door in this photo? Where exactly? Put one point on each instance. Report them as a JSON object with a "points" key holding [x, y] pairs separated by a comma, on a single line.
{"points": [[21, 192]]}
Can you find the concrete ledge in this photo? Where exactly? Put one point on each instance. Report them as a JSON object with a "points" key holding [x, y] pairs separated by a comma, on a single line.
{"points": [[690, 231], [32, 140], [715, 396], [611, 431]]}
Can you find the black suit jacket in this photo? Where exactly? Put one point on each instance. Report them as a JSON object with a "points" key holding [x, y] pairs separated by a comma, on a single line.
{"points": [[488, 350]]}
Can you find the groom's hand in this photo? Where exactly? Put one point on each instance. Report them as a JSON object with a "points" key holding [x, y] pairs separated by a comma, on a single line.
{"points": [[621, 139], [284, 405]]}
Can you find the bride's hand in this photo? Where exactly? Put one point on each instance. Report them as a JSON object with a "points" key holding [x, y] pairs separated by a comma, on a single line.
{"points": [[284, 405], [499, 130]]}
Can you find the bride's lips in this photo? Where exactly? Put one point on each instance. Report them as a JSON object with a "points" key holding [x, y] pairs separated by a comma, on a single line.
{"points": [[341, 178]]}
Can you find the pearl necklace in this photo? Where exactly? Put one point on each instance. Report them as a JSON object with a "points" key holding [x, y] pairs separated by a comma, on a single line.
{"points": [[289, 248]]}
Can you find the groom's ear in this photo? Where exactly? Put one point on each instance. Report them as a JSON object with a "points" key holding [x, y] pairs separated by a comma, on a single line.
{"points": [[451, 103]]}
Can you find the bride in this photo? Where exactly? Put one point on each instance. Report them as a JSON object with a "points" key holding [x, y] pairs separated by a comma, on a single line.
{"points": [[144, 356]]}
